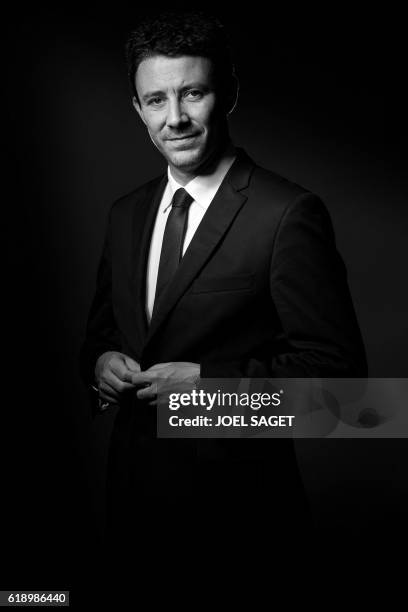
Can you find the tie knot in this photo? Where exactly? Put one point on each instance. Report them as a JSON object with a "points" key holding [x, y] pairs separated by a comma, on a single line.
{"points": [[181, 199]]}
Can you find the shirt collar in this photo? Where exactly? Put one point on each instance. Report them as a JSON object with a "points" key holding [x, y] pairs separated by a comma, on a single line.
{"points": [[203, 188]]}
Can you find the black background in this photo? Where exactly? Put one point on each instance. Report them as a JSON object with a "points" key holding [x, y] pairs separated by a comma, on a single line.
{"points": [[321, 102]]}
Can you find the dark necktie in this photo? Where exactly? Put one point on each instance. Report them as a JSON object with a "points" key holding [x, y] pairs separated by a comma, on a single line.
{"points": [[173, 238]]}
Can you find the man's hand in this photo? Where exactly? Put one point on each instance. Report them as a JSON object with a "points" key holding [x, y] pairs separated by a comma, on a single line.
{"points": [[166, 378], [113, 374]]}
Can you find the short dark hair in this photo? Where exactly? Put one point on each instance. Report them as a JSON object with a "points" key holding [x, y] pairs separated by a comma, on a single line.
{"points": [[181, 33]]}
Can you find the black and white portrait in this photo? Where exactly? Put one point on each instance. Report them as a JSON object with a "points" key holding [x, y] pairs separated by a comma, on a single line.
{"points": [[195, 193]]}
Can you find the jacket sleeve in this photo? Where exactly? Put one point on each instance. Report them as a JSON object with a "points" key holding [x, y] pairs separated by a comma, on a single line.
{"points": [[101, 330], [308, 287]]}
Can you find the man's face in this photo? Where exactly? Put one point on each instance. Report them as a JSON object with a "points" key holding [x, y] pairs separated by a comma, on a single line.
{"points": [[180, 108]]}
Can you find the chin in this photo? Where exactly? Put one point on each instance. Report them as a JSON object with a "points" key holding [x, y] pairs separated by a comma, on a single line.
{"points": [[186, 160]]}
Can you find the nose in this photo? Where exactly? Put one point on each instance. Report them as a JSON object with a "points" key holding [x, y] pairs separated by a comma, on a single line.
{"points": [[176, 116]]}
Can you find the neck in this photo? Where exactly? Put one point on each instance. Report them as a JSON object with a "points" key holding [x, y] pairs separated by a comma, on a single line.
{"points": [[207, 167]]}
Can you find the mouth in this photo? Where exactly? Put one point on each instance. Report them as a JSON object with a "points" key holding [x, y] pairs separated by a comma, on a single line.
{"points": [[182, 138], [183, 143]]}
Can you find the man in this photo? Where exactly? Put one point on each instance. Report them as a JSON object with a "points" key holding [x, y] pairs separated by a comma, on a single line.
{"points": [[219, 269]]}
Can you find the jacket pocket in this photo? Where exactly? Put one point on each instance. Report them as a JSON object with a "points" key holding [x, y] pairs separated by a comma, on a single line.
{"points": [[242, 282]]}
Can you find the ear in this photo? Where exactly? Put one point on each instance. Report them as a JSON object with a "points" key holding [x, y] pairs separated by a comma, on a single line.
{"points": [[138, 109], [233, 94]]}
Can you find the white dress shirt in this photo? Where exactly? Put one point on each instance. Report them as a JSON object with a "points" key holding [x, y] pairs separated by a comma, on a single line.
{"points": [[202, 189]]}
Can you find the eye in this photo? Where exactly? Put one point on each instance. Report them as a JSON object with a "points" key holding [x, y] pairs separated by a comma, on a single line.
{"points": [[194, 94], [156, 101]]}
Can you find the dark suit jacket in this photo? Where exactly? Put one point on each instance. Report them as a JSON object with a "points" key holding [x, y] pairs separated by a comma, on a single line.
{"points": [[260, 292]]}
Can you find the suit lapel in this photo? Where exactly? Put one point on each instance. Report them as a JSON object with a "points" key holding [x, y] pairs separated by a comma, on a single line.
{"points": [[144, 216], [216, 221]]}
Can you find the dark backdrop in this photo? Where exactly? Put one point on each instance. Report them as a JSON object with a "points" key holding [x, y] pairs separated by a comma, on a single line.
{"points": [[320, 103]]}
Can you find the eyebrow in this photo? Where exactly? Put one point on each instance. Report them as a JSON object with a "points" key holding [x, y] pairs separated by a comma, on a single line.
{"points": [[152, 94], [193, 85]]}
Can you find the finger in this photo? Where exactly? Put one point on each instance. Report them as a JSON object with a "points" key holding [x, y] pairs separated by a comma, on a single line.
{"points": [[116, 383], [119, 368], [142, 378], [128, 377], [147, 393], [107, 400], [107, 388], [107, 397], [131, 364], [151, 402]]}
